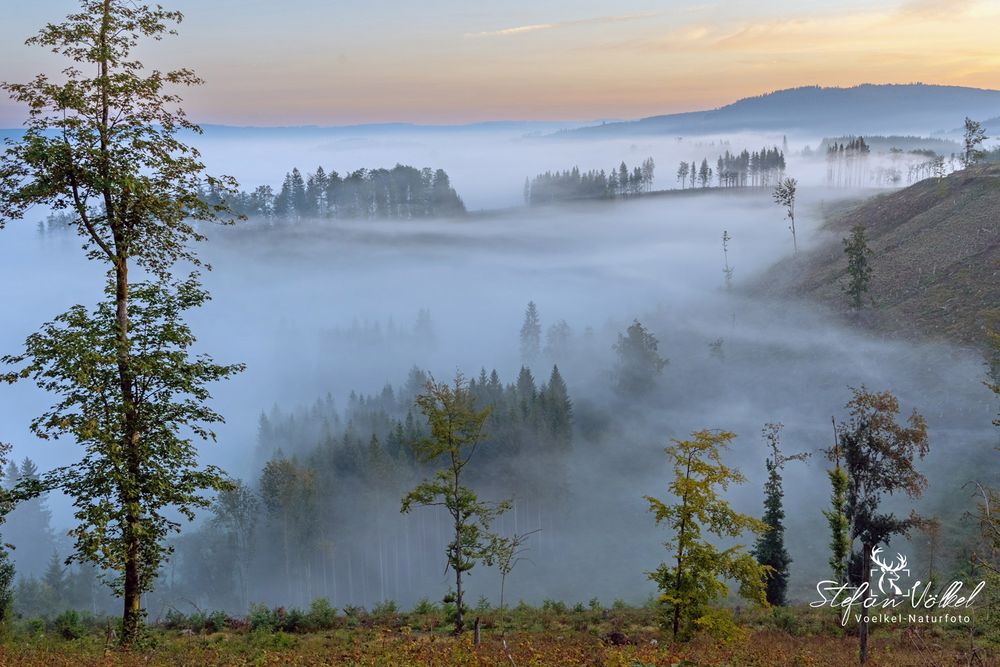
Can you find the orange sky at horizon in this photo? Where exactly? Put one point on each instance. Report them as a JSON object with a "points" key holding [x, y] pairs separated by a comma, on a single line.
{"points": [[449, 66]]}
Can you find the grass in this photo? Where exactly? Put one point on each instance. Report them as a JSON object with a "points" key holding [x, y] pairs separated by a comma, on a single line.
{"points": [[551, 635]]}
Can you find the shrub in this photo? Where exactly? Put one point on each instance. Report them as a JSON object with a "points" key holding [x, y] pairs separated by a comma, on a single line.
{"points": [[554, 606], [424, 607], [321, 615], [386, 609], [260, 618], [69, 625]]}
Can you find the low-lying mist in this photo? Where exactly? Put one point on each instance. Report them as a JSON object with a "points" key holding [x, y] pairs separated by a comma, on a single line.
{"points": [[320, 308]]}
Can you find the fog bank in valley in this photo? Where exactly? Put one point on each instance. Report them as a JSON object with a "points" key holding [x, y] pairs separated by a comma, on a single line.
{"points": [[323, 308]]}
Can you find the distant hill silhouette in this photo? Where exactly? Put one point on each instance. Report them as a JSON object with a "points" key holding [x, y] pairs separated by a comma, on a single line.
{"points": [[865, 109]]}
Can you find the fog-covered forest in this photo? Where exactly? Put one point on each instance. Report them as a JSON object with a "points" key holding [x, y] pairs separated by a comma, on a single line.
{"points": [[633, 387]]}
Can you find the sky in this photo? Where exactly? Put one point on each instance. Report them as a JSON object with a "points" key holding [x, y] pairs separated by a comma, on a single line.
{"points": [[453, 61]]}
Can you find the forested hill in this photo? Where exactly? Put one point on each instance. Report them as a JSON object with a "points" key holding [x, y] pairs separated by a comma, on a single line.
{"points": [[935, 262], [867, 109]]}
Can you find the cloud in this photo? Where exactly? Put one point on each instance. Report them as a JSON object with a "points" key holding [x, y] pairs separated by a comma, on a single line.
{"points": [[535, 27], [933, 8]]}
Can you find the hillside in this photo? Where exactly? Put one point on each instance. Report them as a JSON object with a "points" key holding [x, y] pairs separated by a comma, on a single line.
{"points": [[866, 109], [936, 264]]}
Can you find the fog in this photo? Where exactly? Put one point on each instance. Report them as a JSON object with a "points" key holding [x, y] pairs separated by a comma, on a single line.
{"points": [[328, 307]]}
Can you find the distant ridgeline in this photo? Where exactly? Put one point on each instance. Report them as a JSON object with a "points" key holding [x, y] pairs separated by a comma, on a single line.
{"points": [[849, 162], [573, 184], [757, 169], [402, 192]]}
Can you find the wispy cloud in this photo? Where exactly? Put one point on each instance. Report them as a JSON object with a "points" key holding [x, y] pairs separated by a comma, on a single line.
{"points": [[932, 8], [536, 27]]}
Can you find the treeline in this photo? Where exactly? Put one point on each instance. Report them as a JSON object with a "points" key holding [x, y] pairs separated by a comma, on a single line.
{"points": [[402, 192], [735, 170], [849, 160], [573, 184], [45, 585], [322, 518]]}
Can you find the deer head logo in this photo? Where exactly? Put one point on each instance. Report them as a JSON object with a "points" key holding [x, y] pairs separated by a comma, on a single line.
{"points": [[889, 574]]}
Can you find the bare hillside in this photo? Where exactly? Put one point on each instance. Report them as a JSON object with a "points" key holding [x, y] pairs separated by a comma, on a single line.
{"points": [[936, 264]]}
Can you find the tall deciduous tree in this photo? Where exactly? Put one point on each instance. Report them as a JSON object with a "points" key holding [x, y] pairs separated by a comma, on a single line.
{"points": [[698, 569], [101, 144], [770, 549], [879, 456], [456, 431]]}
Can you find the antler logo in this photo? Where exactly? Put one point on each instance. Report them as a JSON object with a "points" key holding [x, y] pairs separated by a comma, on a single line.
{"points": [[889, 574]]}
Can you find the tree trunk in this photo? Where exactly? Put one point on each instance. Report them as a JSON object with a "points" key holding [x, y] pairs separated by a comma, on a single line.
{"points": [[459, 621], [863, 625]]}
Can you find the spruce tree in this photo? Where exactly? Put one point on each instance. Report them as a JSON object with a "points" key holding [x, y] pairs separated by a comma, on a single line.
{"points": [[531, 335], [770, 549], [639, 361], [835, 517], [859, 268]]}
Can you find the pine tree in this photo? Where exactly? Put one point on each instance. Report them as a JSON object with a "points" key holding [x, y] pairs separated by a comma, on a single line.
{"points": [[682, 174], [558, 410], [835, 517], [55, 576], [698, 570], [531, 335], [770, 549], [784, 196], [727, 270], [973, 137], [859, 269], [639, 361]]}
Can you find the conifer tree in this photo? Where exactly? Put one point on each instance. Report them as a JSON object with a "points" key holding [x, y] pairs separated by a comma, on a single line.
{"points": [[859, 269], [835, 517], [682, 174], [973, 137], [639, 361], [784, 196], [531, 335], [770, 549]]}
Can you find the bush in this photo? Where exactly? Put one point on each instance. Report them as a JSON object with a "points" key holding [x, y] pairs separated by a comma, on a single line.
{"points": [[424, 607], [353, 615], [260, 618], [384, 610], [321, 615], [554, 606], [174, 620], [69, 625], [292, 621]]}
